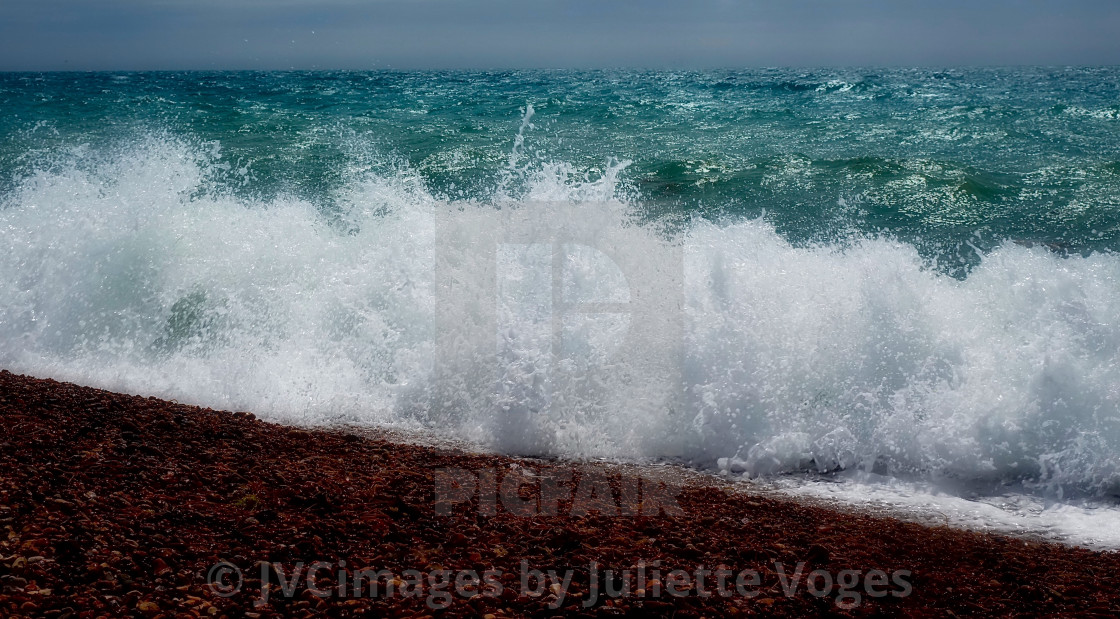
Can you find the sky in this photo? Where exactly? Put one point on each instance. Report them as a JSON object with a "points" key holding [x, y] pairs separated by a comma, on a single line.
{"points": [[433, 34]]}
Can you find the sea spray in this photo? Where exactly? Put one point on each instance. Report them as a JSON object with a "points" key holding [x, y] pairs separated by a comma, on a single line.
{"points": [[814, 357], [887, 272]]}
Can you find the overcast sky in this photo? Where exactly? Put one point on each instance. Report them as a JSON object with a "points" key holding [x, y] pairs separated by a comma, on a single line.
{"points": [[376, 34]]}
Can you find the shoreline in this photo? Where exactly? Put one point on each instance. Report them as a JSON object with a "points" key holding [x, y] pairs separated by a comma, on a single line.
{"points": [[959, 513], [121, 505], [789, 488]]}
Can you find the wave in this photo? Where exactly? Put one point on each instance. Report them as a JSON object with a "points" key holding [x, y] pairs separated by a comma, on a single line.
{"points": [[135, 274]]}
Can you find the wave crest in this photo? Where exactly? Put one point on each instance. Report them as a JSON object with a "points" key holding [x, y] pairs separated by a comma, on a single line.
{"points": [[135, 275]]}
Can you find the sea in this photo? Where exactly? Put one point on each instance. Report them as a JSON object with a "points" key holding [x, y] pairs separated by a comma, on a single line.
{"points": [[895, 288]]}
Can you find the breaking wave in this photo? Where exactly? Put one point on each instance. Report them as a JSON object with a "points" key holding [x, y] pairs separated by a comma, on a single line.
{"points": [[128, 270]]}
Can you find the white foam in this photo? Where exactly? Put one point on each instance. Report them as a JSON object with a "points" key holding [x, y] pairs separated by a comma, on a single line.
{"points": [[1087, 523], [131, 273]]}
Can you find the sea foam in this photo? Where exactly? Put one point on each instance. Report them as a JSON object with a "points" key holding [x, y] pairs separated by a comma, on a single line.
{"points": [[129, 270]]}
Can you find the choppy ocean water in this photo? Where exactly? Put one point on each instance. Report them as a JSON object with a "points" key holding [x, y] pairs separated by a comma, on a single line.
{"points": [[907, 275]]}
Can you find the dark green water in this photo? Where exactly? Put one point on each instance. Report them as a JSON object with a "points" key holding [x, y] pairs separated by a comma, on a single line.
{"points": [[938, 158]]}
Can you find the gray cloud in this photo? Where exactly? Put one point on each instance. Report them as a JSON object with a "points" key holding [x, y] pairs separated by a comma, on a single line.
{"points": [[357, 34]]}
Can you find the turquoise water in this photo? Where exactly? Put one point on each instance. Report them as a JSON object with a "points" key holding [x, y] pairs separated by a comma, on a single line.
{"points": [[944, 159], [906, 272]]}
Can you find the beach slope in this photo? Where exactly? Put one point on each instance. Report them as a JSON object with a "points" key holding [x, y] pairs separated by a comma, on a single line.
{"points": [[118, 505]]}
